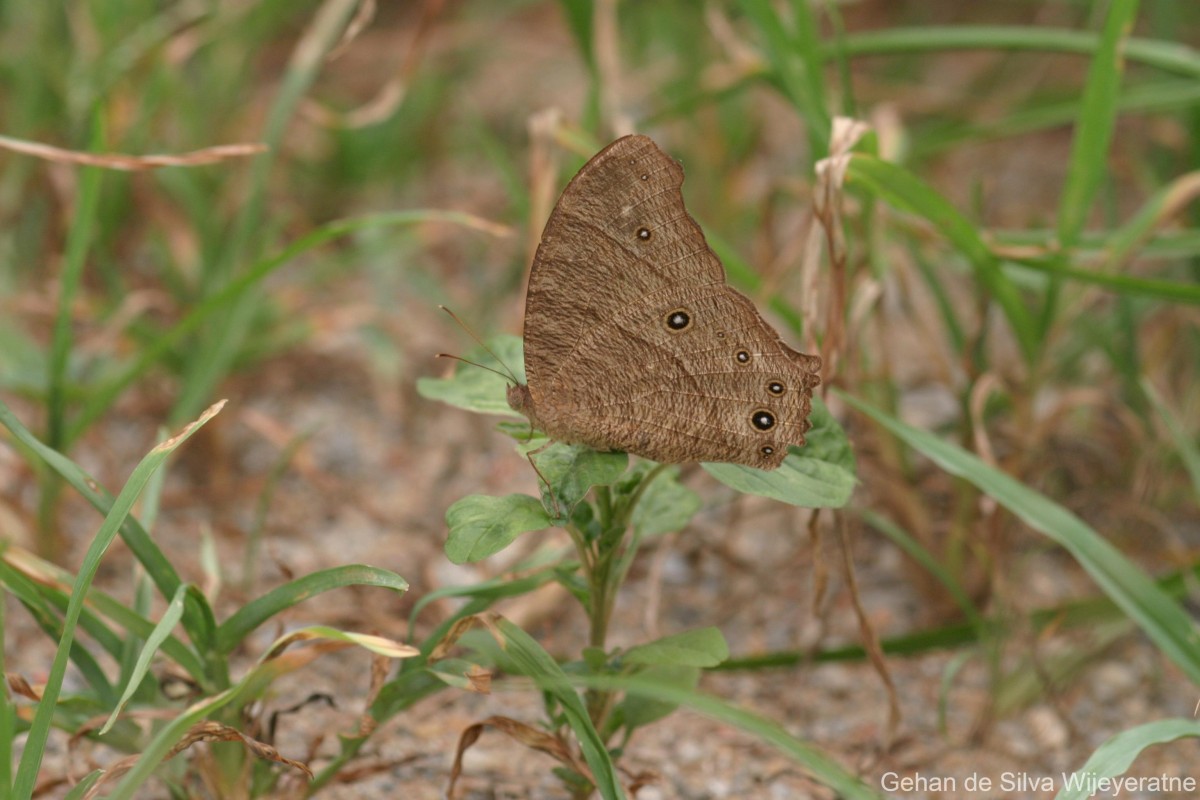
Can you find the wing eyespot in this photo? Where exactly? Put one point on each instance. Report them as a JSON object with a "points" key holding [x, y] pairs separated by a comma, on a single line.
{"points": [[762, 419], [742, 356], [678, 320], [643, 234]]}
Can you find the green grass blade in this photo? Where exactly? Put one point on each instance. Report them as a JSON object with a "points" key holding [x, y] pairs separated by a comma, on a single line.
{"points": [[922, 556], [13, 573], [792, 61], [1088, 164], [1117, 754], [905, 191], [1170, 57], [39, 730], [1154, 288], [170, 618], [8, 710], [531, 660], [38, 600], [1142, 600], [234, 630], [815, 762]]}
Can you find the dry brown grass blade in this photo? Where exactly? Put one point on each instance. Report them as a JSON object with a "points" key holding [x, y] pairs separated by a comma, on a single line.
{"points": [[870, 638], [487, 619], [380, 666], [208, 731], [827, 209], [385, 103], [524, 734], [128, 163], [19, 686], [479, 680]]}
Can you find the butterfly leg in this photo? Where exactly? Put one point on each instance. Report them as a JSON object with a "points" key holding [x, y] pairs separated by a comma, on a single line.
{"points": [[555, 510]]}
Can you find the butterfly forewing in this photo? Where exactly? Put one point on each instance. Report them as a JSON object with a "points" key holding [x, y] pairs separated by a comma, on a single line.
{"points": [[618, 234]]}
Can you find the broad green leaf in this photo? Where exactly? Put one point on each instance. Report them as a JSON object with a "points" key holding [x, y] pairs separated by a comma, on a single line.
{"points": [[1116, 755], [481, 525], [476, 389], [572, 469], [665, 506], [819, 475], [704, 647], [1162, 619]]}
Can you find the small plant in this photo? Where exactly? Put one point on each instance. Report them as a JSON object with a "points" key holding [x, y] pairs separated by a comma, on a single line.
{"points": [[609, 508]]}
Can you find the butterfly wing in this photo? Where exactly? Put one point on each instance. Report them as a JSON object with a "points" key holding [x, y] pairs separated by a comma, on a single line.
{"points": [[618, 233], [633, 340]]}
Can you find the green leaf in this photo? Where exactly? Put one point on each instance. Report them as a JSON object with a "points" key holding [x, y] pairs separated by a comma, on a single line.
{"points": [[234, 630], [819, 475], [704, 647], [476, 389], [1094, 126], [1143, 601], [665, 506], [573, 469], [480, 596], [1116, 755], [170, 618], [481, 525], [816, 763], [638, 711]]}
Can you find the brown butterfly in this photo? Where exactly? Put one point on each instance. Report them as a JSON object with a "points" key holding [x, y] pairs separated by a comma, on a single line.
{"points": [[633, 340]]}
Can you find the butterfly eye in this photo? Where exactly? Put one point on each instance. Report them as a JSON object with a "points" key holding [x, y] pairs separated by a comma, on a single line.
{"points": [[767, 450], [775, 388], [763, 420], [643, 234], [678, 320], [742, 356]]}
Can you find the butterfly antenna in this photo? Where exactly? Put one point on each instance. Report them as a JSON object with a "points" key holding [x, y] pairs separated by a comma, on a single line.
{"points": [[507, 374]]}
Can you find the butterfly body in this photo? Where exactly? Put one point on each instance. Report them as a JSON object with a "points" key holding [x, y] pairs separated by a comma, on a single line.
{"points": [[633, 340]]}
